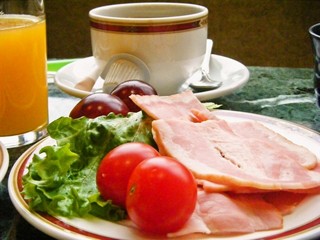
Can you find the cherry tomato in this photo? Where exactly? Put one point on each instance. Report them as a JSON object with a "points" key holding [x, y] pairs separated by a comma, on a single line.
{"points": [[98, 104], [161, 195], [125, 89], [116, 167]]}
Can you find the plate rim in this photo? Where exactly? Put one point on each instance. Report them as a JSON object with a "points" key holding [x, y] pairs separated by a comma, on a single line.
{"points": [[34, 218], [202, 96], [57, 231], [4, 165]]}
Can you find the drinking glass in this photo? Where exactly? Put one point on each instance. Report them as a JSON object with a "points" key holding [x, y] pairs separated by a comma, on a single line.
{"points": [[314, 32], [23, 83]]}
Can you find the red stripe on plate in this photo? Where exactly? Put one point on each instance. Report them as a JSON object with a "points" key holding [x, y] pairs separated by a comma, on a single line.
{"points": [[296, 231], [58, 224]]}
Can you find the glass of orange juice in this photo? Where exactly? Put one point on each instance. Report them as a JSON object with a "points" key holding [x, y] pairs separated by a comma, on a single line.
{"points": [[23, 82]]}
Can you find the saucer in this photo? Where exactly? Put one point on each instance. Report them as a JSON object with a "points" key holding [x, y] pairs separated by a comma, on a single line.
{"points": [[232, 73]]}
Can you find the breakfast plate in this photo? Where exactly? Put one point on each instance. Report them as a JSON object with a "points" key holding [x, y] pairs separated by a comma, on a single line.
{"points": [[303, 223], [4, 161], [232, 73]]}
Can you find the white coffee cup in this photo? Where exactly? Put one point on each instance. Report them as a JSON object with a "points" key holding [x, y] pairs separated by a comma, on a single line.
{"points": [[170, 38]]}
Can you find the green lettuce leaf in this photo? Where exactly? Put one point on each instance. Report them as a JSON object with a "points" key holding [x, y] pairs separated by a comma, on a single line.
{"points": [[61, 179], [211, 105]]}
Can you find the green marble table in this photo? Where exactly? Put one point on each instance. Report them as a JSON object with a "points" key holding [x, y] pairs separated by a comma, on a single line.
{"points": [[283, 93]]}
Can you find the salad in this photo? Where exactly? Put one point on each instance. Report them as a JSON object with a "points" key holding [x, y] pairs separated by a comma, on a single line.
{"points": [[61, 179], [105, 163]]}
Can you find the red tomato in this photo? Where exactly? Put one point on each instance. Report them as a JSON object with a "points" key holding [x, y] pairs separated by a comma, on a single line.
{"points": [[161, 195], [116, 167]]}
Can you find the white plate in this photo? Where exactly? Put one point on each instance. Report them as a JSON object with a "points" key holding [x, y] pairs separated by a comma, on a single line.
{"points": [[4, 161], [303, 223], [232, 73]]}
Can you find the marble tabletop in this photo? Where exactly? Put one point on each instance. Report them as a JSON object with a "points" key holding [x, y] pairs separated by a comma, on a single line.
{"points": [[284, 93]]}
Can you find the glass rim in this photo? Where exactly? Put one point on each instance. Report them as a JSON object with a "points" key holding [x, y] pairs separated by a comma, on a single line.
{"points": [[312, 30]]}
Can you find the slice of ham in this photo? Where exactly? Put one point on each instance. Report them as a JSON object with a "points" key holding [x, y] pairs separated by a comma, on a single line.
{"points": [[285, 202], [218, 213], [210, 187], [174, 106], [253, 129], [244, 146], [186, 106], [213, 152]]}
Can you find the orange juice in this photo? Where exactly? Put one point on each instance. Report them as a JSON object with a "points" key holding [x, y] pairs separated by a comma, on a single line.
{"points": [[23, 84]]}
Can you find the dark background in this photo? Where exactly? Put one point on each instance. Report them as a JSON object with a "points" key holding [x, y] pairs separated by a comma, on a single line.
{"points": [[254, 32]]}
